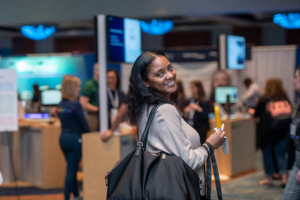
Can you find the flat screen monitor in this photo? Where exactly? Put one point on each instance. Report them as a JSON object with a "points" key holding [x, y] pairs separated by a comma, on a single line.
{"points": [[222, 92], [124, 39], [236, 52], [50, 97]]}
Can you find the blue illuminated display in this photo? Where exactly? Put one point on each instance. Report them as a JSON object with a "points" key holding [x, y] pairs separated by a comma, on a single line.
{"points": [[159, 27], [288, 21], [39, 33]]}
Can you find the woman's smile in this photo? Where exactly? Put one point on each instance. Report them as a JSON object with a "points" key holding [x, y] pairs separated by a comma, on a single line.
{"points": [[170, 84]]}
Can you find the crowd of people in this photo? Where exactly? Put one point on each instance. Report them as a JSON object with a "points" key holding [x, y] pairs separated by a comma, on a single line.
{"points": [[185, 122]]}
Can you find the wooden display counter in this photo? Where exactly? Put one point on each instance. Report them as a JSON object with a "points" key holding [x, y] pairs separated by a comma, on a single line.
{"points": [[37, 156], [241, 140], [98, 158]]}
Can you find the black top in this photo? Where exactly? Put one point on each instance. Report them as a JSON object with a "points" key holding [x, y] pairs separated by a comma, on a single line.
{"points": [[201, 121], [71, 117], [267, 136], [200, 116]]}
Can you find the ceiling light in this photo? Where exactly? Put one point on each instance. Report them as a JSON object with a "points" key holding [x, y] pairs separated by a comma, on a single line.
{"points": [[39, 33], [288, 21], [156, 27]]}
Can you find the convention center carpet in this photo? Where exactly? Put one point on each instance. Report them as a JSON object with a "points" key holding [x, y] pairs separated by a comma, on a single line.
{"points": [[247, 187]]}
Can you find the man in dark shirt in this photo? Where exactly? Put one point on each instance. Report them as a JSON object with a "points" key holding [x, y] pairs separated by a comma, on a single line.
{"points": [[89, 99]]}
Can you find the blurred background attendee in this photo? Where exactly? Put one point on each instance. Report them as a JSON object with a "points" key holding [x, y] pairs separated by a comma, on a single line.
{"points": [[36, 97], [218, 79], [292, 190], [181, 96], [115, 96], [73, 124], [272, 140], [89, 99], [197, 109], [251, 96]]}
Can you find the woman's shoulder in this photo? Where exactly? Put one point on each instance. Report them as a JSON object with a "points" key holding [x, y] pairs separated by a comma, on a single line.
{"points": [[167, 110], [74, 104]]}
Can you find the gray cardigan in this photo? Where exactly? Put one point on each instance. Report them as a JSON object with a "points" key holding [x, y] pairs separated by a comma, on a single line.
{"points": [[171, 134]]}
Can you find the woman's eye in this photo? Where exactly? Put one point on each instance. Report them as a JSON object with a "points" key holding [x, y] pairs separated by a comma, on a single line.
{"points": [[170, 69]]}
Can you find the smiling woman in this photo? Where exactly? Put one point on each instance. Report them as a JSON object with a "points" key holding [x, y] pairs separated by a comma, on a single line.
{"points": [[153, 82]]}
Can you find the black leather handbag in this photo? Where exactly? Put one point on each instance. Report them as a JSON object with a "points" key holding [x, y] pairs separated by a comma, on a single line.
{"points": [[144, 176]]}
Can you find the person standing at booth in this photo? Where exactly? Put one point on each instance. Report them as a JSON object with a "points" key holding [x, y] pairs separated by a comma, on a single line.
{"points": [[219, 78], [36, 97], [197, 109], [251, 96], [115, 96], [89, 99], [271, 138], [73, 124]]}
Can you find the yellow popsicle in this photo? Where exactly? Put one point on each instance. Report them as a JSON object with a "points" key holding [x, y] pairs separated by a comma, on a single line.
{"points": [[217, 116]]}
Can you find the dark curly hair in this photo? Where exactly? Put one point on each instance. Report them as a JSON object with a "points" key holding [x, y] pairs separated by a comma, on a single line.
{"points": [[140, 95]]}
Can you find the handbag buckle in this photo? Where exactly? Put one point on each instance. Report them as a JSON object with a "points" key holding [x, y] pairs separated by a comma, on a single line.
{"points": [[140, 144], [106, 180]]}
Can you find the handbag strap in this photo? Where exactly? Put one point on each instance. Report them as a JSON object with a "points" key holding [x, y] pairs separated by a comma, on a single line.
{"points": [[212, 158], [142, 143]]}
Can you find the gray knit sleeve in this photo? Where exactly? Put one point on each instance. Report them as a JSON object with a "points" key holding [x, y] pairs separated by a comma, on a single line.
{"points": [[167, 134]]}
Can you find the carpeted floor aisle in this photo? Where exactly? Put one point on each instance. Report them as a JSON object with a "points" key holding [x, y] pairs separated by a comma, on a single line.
{"points": [[247, 187]]}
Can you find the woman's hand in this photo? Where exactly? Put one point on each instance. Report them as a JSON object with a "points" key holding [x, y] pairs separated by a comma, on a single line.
{"points": [[186, 111], [54, 111], [196, 107], [251, 111], [216, 139], [106, 135], [298, 178]]}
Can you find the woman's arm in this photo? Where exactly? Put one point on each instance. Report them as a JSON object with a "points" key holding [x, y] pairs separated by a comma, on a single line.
{"points": [[167, 135], [80, 116]]}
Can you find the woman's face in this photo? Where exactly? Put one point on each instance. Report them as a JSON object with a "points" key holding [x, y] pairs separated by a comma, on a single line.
{"points": [[194, 90], [220, 79], [111, 78], [297, 81], [162, 77]]}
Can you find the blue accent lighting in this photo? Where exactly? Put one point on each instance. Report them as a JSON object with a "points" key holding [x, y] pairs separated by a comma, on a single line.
{"points": [[39, 33], [288, 21], [159, 27]]}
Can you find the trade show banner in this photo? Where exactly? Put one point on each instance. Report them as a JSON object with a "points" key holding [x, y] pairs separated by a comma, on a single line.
{"points": [[8, 100]]}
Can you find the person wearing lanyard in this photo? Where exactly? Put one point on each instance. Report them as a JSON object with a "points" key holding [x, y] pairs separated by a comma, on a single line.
{"points": [[115, 95], [196, 111]]}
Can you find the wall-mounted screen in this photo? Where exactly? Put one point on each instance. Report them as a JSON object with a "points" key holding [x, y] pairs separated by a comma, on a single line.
{"points": [[50, 97], [124, 39], [222, 92], [236, 52]]}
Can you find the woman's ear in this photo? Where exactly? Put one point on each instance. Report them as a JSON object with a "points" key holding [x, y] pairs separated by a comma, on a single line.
{"points": [[146, 83]]}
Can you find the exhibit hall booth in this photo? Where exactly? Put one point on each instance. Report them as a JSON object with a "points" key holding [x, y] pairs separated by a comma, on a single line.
{"points": [[30, 150]]}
